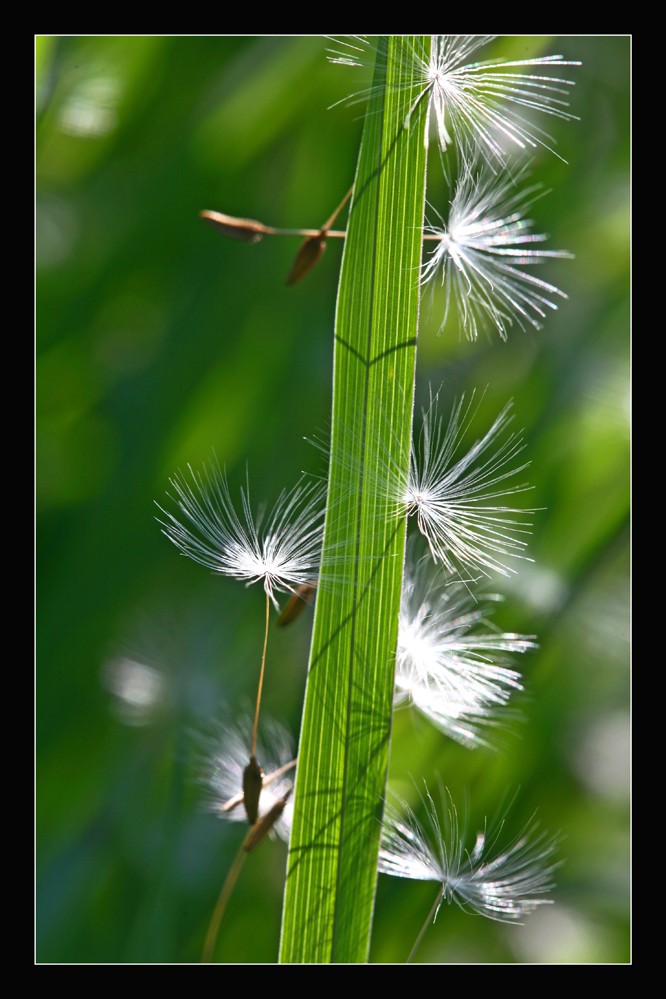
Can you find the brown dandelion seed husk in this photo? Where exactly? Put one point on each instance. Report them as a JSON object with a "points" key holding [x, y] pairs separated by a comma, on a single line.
{"points": [[260, 829], [267, 779], [302, 597], [253, 781]]}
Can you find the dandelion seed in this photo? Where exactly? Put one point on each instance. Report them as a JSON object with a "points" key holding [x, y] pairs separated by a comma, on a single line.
{"points": [[505, 885], [479, 106], [283, 552], [452, 493], [224, 763], [223, 770], [451, 489], [451, 664], [482, 251]]}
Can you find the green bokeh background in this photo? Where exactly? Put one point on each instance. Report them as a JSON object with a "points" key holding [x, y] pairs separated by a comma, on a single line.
{"points": [[159, 342]]}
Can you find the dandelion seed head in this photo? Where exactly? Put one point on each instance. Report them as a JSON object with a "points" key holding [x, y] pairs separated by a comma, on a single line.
{"points": [[451, 664], [224, 759], [482, 253], [483, 108], [505, 884], [457, 493], [282, 550], [455, 488]]}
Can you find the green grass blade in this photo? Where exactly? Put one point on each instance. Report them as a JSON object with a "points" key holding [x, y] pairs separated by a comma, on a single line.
{"points": [[343, 755]]}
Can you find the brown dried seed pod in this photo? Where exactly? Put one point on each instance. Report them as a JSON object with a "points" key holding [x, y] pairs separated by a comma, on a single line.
{"points": [[301, 598], [253, 781], [245, 230], [307, 256]]}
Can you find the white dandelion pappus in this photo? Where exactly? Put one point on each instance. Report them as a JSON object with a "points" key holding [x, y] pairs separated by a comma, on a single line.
{"points": [[224, 761], [453, 496], [481, 254], [283, 550], [480, 106], [222, 773], [450, 663], [505, 884]]}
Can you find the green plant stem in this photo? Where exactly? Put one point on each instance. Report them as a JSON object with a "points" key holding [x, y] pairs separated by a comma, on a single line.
{"points": [[343, 752]]}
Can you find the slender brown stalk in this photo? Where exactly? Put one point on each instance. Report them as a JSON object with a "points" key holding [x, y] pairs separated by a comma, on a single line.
{"points": [[221, 905], [261, 678], [263, 826], [325, 228], [312, 233], [285, 768], [429, 918], [253, 231]]}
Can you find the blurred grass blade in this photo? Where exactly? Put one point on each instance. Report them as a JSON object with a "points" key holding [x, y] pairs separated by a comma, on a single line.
{"points": [[343, 756]]}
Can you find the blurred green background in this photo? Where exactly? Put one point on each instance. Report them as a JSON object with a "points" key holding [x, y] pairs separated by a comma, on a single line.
{"points": [[160, 341]]}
